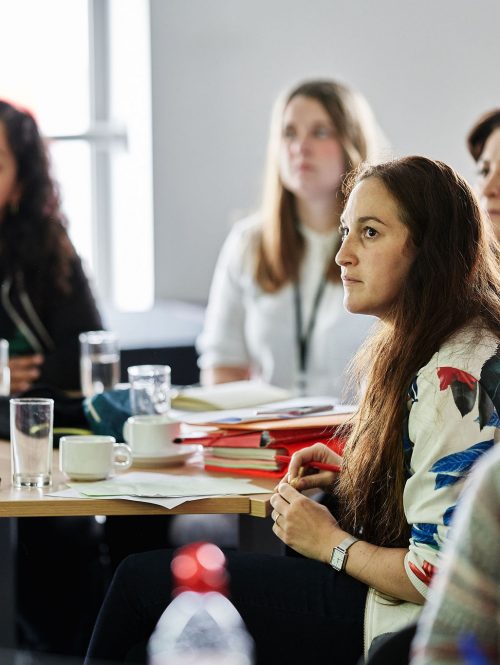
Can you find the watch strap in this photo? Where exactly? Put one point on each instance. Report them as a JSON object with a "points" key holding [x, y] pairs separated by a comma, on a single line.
{"points": [[338, 559]]}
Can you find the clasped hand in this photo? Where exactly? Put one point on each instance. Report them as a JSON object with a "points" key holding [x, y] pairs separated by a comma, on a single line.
{"points": [[301, 523]]}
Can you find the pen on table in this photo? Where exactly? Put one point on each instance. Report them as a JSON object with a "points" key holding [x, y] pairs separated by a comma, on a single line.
{"points": [[296, 411]]}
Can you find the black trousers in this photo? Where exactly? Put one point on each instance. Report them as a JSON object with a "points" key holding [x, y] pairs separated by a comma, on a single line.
{"points": [[297, 610], [62, 577], [64, 566]]}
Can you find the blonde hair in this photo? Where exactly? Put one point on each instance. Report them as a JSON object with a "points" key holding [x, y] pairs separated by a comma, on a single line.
{"points": [[279, 245]]}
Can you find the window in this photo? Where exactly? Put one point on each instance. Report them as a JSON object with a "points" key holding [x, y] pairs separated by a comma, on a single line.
{"points": [[83, 68]]}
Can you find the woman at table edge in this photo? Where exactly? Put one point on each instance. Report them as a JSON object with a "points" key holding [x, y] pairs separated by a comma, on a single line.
{"points": [[418, 254]]}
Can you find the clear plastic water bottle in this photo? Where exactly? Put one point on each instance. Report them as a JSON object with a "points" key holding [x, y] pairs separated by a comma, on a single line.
{"points": [[200, 626]]}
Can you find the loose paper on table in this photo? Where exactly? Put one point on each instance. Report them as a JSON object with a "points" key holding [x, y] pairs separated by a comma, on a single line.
{"points": [[152, 487]]}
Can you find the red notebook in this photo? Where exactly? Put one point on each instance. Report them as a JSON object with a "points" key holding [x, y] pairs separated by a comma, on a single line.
{"points": [[257, 438]]}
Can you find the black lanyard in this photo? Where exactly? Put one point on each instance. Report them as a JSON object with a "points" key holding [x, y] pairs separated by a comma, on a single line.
{"points": [[303, 339]]}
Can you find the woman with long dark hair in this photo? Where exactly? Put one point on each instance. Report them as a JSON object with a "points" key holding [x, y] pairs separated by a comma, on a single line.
{"points": [[46, 300], [416, 253], [275, 308]]}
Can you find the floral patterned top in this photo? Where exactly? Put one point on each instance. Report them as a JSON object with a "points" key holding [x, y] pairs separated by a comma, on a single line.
{"points": [[453, 419]]}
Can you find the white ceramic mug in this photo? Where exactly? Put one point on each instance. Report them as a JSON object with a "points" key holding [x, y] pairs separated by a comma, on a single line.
{"points": [[92, 457], [150, 435]]}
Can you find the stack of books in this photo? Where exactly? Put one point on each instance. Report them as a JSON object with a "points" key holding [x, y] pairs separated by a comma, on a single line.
{"points": [[261, 447]]}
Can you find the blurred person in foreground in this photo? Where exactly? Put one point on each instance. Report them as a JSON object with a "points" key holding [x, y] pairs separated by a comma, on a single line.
{"points": [[462, 616]]}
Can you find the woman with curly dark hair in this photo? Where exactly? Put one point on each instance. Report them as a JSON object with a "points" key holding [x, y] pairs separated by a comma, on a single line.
{"points": [[45, 302], [45, 299]]}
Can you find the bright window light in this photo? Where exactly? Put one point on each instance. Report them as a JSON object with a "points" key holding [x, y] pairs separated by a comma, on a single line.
{"points": [[56, 90], [50, 71], [71, 161], [131, 172]]}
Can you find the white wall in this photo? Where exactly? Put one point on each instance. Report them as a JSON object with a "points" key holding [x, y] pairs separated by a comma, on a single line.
{"points": [[428, 68]]}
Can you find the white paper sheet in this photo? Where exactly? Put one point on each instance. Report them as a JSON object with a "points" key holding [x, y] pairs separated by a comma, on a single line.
{"points": [[154, 485], [248, 415], [165, 503]]}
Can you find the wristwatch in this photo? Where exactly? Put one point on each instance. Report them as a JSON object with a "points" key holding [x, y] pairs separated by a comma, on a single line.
{"points": [[339, 554]]}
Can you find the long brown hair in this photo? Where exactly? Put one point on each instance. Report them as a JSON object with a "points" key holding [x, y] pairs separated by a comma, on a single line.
{"points": [[279, 245], [454, 279]]}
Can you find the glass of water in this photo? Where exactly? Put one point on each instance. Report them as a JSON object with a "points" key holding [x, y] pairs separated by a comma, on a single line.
{"points": [[31, 441], [99, 361], [149, 389]]}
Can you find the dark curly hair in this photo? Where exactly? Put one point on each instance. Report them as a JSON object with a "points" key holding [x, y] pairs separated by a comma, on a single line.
{"points": [[33, 237]]}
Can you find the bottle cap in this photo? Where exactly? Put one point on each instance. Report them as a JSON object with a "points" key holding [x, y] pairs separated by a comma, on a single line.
{"points": [[199, 567]]}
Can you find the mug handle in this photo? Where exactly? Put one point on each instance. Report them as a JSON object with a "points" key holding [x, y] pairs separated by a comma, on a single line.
{"points": [[122, 450]]}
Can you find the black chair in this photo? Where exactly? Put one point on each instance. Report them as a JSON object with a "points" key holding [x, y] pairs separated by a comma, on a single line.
{"points": [[182, 360], [391, 649]]}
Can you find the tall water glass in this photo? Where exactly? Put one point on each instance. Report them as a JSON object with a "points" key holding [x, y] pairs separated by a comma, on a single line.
{"points": [[99, 361], [31, 441], [149, 389], [4, 368]]}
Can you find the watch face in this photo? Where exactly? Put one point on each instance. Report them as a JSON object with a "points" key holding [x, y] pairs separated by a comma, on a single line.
{"points": [[337, 559]]}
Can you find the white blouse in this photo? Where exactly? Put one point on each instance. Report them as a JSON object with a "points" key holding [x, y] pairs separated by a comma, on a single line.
{"points": [[244, 326]]}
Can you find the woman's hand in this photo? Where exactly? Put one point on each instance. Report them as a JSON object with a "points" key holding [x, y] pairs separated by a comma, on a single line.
{"points": [[24, 370], [312, 478], [304, 525], [223, 374]]}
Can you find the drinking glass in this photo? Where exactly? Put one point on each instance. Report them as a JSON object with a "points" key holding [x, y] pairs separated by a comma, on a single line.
{"points": [[99, 361], [31, 441], [149, 389], [4, 368]]}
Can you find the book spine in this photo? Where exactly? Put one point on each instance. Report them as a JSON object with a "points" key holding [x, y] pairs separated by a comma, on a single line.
{"points": [[270, 438], [226, 439]]}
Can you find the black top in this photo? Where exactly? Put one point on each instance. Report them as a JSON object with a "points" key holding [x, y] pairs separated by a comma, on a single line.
{"points": [[62, 317]]}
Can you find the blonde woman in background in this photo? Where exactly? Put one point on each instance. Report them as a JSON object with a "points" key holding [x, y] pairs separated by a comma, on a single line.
{"points": [[275, 308]]}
